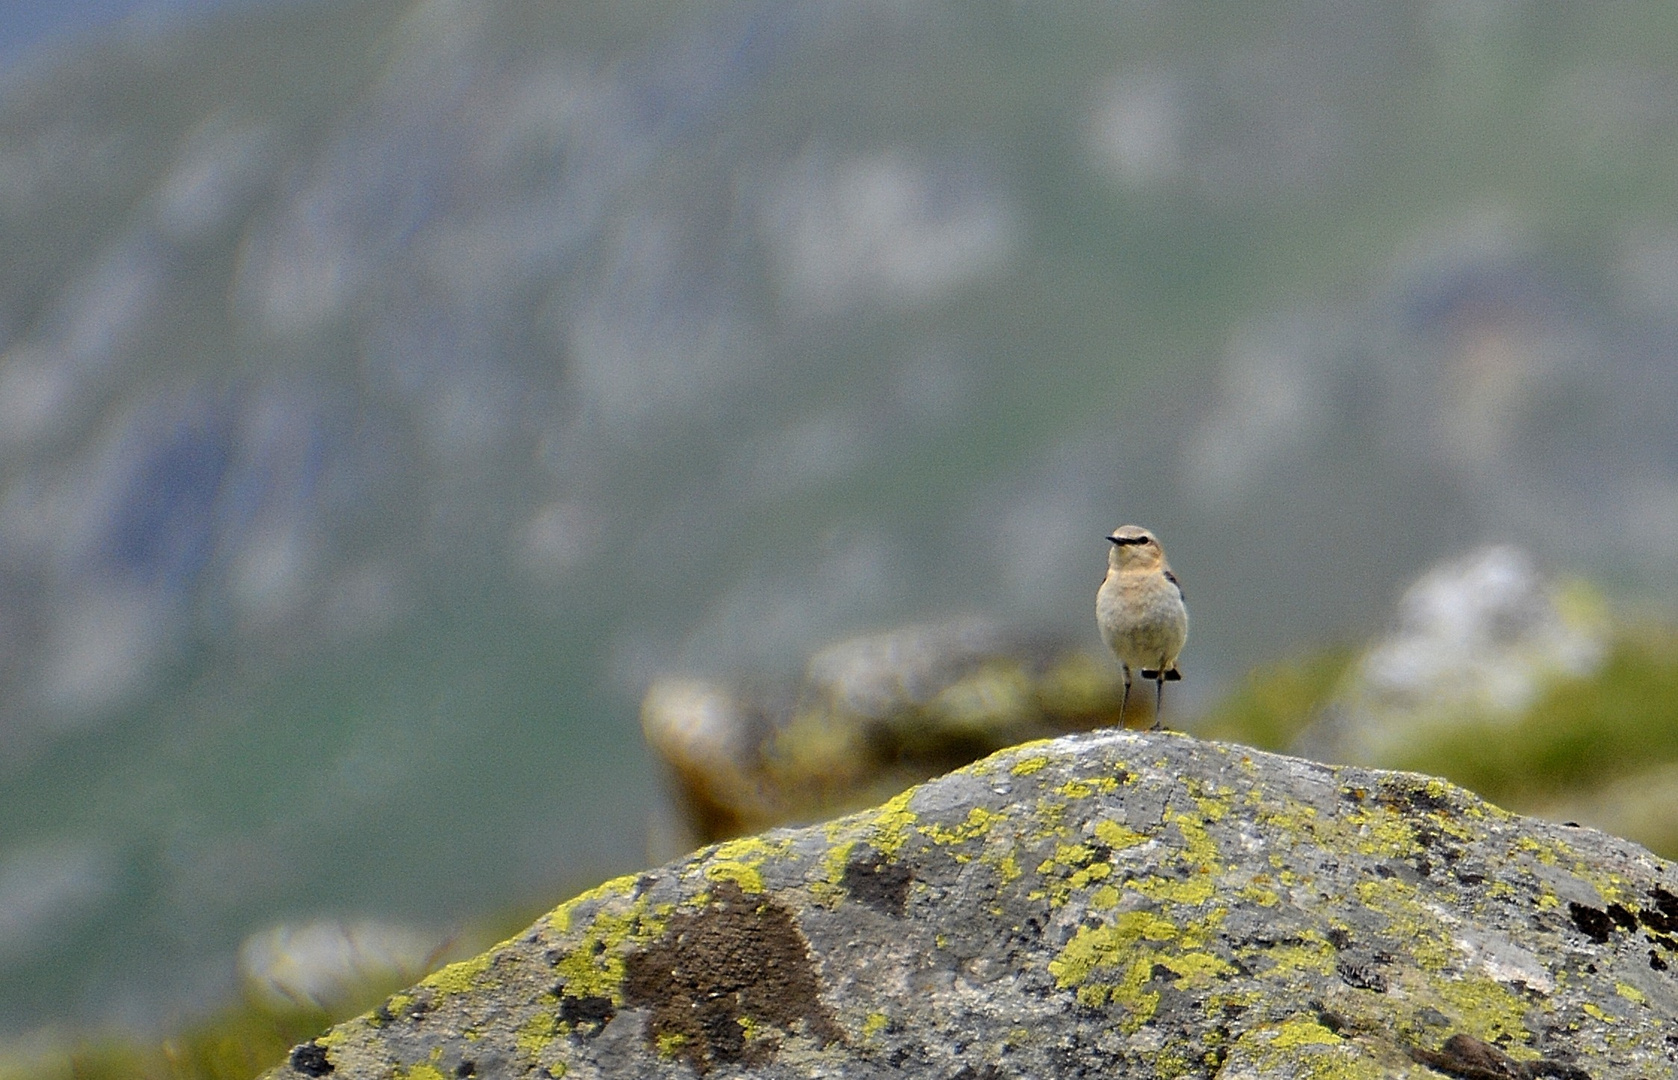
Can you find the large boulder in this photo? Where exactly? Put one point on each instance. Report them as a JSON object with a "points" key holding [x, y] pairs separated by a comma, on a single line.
{"points": [[1108, 904]]}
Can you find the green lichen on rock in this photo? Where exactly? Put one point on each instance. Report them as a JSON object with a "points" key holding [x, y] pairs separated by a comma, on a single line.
{"points": [[1115, 904]]}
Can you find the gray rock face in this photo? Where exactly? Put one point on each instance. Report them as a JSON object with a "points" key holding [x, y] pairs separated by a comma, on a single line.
{"points": [[1110, 904]]}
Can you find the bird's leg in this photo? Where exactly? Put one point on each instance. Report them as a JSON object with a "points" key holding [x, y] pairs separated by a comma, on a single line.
{"points": [[1124, 701], [1159, 695]]}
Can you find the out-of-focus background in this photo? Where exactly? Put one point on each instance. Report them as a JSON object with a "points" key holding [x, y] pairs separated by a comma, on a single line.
{"points": [[391, 391]]}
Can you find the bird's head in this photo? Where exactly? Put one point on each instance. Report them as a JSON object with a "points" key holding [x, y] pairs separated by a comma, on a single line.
{"points": [[1134, 548]]}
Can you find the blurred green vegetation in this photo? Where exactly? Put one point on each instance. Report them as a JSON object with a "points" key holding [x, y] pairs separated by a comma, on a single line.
{"points": [[1580, 734], [1600, 749], [1274, 704], [235, 1044]]}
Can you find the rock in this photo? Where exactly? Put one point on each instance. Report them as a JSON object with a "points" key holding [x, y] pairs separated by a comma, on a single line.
{"points": [[873, 715], [328, 963], [1106, 904], [1482, 635]]}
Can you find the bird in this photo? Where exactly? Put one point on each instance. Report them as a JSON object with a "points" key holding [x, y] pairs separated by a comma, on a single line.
{"points": [[1140, 610]]}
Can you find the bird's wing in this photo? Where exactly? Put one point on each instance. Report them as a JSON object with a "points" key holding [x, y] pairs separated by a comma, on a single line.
{"points": [[1169, 576]]}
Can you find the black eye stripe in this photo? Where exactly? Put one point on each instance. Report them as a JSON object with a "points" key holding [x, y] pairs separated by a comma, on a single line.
{"points": [[1123, 541]]}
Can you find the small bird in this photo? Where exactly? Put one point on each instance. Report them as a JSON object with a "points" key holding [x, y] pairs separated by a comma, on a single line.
{"points": [[1140, 610]]}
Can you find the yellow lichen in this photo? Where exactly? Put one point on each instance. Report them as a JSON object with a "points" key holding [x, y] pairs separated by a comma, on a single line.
{"points": [[1029, 766], [891, 824], [1194, 892], [739, 861], [1486, 1008], [560, 918], [1083, 789], [1196, 970], [742, 874], [594, 966], [1384, 834], [1313, 954], [979, 821], [1297, 1032], [1199, 849], [1107, 945], [535, 1034], [1544, 853], [420, 1072], [829, 890], [1116, 836], [460, 977]]}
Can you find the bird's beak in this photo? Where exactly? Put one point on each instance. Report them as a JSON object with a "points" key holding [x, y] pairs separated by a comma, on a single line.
{"points": [[1116, 541]]}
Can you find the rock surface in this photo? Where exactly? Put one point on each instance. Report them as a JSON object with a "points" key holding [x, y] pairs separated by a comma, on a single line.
{"points": [[1108, 904], [872, 715]]}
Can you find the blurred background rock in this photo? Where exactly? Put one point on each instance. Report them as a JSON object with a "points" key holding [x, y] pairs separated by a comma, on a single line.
{"points": [[392, 390]]}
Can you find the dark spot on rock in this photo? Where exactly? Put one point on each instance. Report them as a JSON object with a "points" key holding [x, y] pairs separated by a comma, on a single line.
{"points": [[1383, 871], [742, 958], [594, 1011], [599, 947], [1331, 1020], [1353, 794], [381, 1015], [879, 884], [898, 1057], [1339, 937], [1591, 922], [1572, 825], [1361, 976], [1622, 917], [1664, 916], [1407, 796], [310, 1059], [1471, 879], [1471, 1059], [984, 1072], [1655, 961], [1215, 1058], [1667, 943], [1162, 972], [466, 1069], [643, 883], [1424, 867]]}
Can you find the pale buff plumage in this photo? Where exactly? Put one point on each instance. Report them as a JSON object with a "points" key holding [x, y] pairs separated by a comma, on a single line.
{"points": [[1140, 611]]}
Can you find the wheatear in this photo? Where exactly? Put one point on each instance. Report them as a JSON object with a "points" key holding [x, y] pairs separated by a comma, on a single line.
{"points": [[1141, 612]]}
